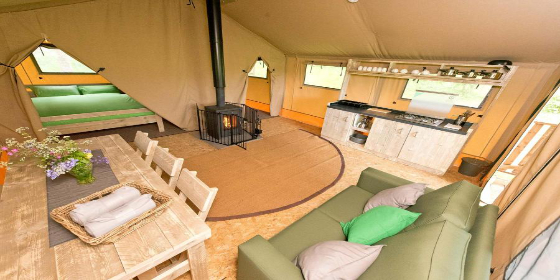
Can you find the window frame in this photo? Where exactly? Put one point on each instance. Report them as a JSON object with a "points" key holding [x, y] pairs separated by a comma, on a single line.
{"points": [[308, 85], [267, 72], [480, 107], [41, 72]]}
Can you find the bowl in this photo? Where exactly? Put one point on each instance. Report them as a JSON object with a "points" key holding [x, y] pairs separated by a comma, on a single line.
{"points": [[358, 138]]}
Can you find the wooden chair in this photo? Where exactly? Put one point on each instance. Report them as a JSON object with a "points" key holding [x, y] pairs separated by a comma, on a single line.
{"points": [[145, 146], [201, 196], [168, 163], [193, 189]]}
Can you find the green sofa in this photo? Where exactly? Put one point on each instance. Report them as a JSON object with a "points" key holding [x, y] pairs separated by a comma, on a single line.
{"points": [[452, 239]]}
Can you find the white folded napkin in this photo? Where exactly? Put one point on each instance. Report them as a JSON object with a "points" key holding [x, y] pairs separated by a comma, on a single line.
{"points": [[92, 209], [110, 220]]}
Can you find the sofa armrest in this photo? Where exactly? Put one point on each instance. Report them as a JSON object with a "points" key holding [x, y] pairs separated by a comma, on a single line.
{"points": [[258, 259], [374, 181], [479, 254]]}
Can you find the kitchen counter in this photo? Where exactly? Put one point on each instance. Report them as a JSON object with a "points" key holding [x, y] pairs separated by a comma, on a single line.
{"points": [[393, 117]]}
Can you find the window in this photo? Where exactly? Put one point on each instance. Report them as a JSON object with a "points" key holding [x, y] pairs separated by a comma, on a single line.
{"points": [[469, 95], [260, 70], [51, 60], [324, 76]]}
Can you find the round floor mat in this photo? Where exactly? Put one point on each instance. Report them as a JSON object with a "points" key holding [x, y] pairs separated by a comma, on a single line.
{"points": [[273, 174]]}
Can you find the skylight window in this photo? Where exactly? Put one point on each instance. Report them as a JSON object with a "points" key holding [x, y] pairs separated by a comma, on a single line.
{"points": [[260, 70], [51, 60], [469, 95], [325, 76]]}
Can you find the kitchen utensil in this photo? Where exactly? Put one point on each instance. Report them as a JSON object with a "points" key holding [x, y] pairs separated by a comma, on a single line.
{"points": [[415, 72], [425, 71], [461, 119], [404, 71]]}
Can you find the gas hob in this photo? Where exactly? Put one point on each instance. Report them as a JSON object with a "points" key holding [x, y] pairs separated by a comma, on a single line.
{"points": [[419, 119]]}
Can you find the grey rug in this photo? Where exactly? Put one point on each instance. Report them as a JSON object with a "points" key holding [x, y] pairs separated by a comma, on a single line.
{"points": [[65, 189]]}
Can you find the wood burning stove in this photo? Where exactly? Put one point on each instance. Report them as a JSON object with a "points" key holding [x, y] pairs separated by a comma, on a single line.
{"points": [[224, 123], [231, 124]]}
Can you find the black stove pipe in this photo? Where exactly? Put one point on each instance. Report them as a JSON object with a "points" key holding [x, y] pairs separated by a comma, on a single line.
{"points": [[214, 13]]}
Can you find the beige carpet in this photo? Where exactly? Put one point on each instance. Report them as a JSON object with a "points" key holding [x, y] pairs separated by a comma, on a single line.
{"points": [[273, 174]]}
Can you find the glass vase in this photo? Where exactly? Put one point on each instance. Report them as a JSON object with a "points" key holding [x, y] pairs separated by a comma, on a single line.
{"points": [[83, 172]]}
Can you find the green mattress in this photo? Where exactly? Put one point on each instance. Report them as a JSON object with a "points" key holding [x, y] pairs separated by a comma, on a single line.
{"points": [[80, 104]]}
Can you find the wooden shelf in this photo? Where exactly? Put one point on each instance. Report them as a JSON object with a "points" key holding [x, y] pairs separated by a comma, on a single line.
{"points": [[360, 129], [429, 77]]}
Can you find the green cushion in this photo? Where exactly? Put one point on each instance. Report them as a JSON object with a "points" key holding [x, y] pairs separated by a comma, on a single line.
{"points": [[479, 257], [305, 232], [456, 203], [78, 104], [50, 91], [432, 252], [347, 204], [377, 223], [98, 89], [374, 181]]}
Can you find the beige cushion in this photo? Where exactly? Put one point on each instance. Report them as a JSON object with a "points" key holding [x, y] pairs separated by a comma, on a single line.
{"points": [[401, 197], [336, 260]]}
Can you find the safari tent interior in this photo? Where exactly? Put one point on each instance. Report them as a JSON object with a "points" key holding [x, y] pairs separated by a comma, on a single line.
{"points": [[245, 139]]}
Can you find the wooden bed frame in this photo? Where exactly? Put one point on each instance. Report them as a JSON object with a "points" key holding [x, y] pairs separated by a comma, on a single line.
{"points": [[106, 124]]}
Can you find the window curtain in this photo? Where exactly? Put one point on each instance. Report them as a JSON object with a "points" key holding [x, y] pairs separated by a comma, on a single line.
{"points": [[539, 260], [529, 205], [15, 105]]}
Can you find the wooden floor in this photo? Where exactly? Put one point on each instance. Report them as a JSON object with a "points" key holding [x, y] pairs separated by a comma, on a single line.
{"points": [[227, 235]]}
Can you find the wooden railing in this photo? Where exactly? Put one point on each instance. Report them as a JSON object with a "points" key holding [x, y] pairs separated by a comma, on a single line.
{"points": [[517, 159]]}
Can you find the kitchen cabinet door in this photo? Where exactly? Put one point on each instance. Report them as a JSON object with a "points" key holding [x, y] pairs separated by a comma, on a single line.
{"points": [[329, 123], [337, 125], [421, 146], [432, 148], [387, 137]]}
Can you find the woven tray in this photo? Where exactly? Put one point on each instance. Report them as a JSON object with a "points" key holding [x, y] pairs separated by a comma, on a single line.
{"points": [[62, 215]]}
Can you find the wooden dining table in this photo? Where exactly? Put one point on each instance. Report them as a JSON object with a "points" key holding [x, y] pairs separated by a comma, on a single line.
{"points": [[24, 240]]}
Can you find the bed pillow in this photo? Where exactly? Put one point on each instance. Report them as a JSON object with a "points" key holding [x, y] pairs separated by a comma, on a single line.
{"points": [[401, 197], [336, 260], [99, 89], [50, 91], [377, 223]]}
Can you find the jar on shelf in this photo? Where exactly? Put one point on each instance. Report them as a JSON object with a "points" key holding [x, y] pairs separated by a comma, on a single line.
{"points": [[451, 71], [471, 74], [481, 75], [442, 72], [495, 75]]}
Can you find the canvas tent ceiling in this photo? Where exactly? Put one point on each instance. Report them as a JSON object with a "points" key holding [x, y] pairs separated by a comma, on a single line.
{"points": [[156, 51], [480, 30]]}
